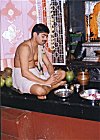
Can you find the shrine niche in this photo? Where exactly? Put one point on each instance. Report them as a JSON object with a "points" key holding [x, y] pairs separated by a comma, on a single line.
{"points": [[92, 20]]}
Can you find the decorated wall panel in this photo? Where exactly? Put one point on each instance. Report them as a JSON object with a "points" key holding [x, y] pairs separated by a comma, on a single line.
{"points": [[17, 19]]}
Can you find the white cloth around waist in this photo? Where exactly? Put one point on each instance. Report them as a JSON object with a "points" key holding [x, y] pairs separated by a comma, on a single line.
{"points": [[22, 83]]}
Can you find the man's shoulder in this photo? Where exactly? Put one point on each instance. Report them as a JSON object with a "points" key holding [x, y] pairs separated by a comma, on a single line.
{"points": [[24, 44]]}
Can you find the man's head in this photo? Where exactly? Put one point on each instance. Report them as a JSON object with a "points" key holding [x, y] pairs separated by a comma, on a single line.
{"points": [[40, 33], [40, 28]]}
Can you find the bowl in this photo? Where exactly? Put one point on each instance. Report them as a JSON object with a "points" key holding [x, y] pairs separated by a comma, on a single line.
{"points": [[63, 93], [83, 77], [90, 94]]}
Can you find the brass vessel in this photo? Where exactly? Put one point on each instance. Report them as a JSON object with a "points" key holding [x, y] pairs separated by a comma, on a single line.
{"points": [[83, 77]]}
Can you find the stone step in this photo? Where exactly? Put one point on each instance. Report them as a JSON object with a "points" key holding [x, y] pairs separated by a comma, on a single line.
{"points": [[7, 137], [16, 123]]}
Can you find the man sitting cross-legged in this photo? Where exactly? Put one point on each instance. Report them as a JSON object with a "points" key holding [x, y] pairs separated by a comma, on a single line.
{"points": [[28, 75]]}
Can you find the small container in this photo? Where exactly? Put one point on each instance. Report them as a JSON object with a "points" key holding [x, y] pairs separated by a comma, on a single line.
{"points": [[77, 86], [66, 86]]}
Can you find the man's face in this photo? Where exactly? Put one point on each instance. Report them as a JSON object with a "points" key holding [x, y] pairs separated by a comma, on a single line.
{"points": [[41, 38]]}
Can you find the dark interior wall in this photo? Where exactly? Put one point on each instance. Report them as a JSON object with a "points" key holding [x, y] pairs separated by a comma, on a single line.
{"points": [[76, 15]]}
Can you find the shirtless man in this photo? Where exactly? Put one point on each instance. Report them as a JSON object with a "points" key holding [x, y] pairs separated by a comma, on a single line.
{"points": [[28, 76]]}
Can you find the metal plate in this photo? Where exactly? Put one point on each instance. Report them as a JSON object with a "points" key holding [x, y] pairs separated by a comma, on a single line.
{"points": [[63, 92], [90, 94]]}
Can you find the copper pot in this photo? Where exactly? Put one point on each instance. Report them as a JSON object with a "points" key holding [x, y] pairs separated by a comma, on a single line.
{"points": [[83, 78]]}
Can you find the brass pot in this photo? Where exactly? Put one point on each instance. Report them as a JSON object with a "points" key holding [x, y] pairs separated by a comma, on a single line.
{"points": [[83, 78]]}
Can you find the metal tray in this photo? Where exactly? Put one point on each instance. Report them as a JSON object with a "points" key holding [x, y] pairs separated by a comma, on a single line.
{"points": [[63, 92], [90, 94]]}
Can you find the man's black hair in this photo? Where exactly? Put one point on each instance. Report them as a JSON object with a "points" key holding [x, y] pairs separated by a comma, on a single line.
{"points": [[40, 28]]}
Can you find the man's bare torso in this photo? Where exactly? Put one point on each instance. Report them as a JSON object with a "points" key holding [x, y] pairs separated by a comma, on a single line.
{"points": [[33, 54]]}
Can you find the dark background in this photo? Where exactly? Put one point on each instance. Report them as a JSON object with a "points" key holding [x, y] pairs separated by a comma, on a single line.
{"points": [[76, 15]]}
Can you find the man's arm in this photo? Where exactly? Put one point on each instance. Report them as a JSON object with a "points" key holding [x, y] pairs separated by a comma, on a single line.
{"points": [[58, 75], [48, 64]]}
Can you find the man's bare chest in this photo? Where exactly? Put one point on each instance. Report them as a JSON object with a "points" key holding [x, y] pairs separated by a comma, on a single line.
{"points": [[33, 57]]}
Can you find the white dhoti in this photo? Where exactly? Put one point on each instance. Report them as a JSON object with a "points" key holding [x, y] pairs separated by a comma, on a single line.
{"points": [[22, 83]]}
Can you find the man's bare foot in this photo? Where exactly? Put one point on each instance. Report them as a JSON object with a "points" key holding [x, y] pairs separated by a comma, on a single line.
{"points": [[58, 84], [41, 97], [62, 83]]}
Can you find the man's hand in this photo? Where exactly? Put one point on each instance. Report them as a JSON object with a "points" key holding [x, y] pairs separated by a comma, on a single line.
{"points": [[53, 79]]}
